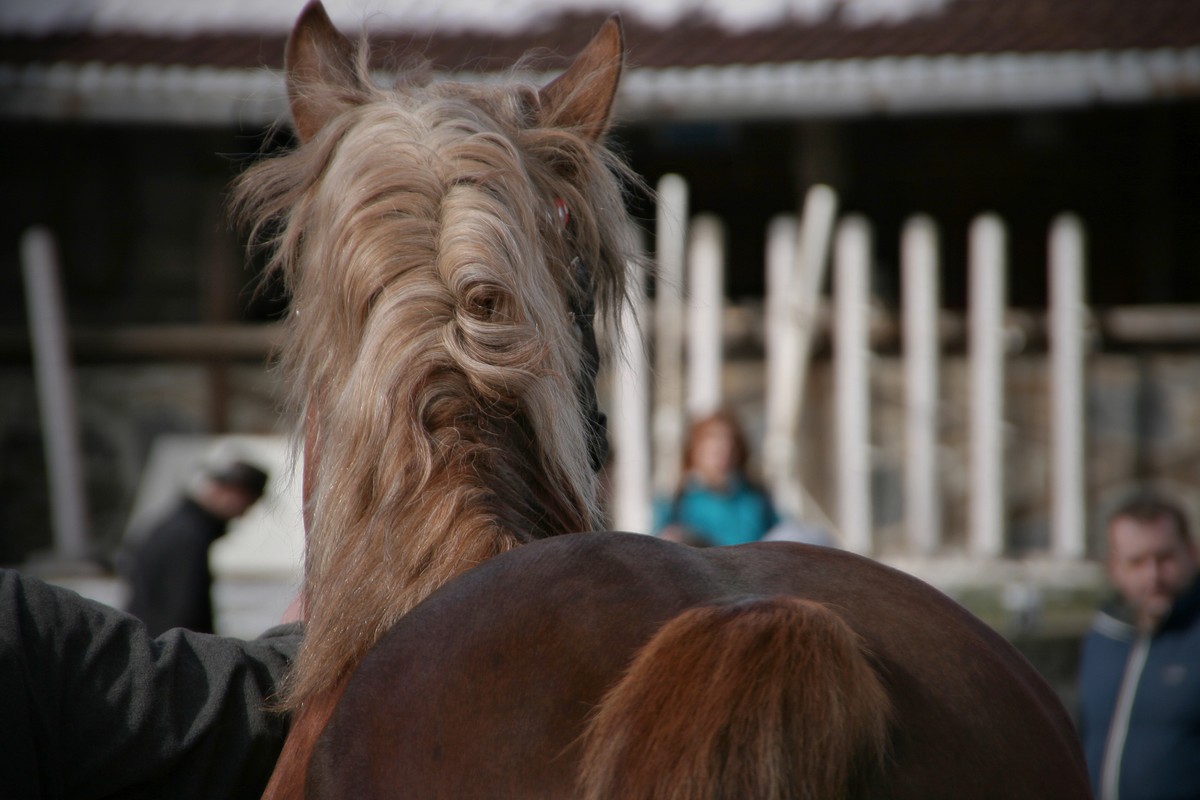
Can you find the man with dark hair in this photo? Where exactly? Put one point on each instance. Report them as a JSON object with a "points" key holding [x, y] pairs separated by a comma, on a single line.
{"points": [[1139, 680], [169, 576]]}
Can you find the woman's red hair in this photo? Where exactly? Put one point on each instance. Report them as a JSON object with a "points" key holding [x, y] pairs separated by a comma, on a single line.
{"points": [[701, 425]]}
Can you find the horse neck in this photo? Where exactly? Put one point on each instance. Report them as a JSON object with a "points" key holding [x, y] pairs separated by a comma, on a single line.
{"points": [[372, 555]]}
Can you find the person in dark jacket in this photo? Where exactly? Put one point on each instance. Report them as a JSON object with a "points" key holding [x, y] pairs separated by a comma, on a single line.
{"points": [[1139, 679], [169, 578], [92, 706]]}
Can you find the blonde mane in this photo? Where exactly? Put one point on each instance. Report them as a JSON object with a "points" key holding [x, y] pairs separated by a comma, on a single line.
{"points": [[431, 348]]}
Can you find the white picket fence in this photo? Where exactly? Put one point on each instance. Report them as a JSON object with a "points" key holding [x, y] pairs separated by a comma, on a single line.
{"points": [[687, 327]]}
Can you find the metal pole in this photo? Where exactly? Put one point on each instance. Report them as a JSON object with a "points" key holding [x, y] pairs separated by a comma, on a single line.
{"points": [[56, 394], [919, 263], [986, 346], [1067, 317], [851, 353]]}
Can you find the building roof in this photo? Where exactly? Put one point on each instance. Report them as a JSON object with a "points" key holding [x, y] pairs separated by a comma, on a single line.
{"points": [[692, 58]]}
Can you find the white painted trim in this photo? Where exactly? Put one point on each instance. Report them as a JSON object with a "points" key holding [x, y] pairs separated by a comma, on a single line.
{"points": [[910, 85], [97, 92], [849, 87]]}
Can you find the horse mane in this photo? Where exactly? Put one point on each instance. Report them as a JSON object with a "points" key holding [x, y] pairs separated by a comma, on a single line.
{"points": [[430, 346]]}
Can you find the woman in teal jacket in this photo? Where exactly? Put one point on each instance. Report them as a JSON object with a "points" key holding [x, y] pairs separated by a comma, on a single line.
{"points": [[716, 503]]}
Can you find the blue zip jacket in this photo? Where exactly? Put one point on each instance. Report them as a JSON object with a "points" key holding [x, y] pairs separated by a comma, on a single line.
{"points": [[742, 513], [1140, 704]]}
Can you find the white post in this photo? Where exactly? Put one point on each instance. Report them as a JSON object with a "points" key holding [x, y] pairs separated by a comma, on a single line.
{"points": [[919, 285], [670, 247], [851, 352], [796, 267], [706, 297], [632, 489], [1067, 319], [56, 394], [987, 279], [782, 355]]}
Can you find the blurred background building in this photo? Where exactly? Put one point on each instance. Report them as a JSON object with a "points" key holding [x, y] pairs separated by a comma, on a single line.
{"points": [[122, 123]]}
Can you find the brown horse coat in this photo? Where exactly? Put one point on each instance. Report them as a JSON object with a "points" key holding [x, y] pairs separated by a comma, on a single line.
{"points": [[485, 689]]}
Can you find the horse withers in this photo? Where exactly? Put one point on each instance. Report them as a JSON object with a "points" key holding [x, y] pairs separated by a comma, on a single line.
{"points": [[444, 244]]}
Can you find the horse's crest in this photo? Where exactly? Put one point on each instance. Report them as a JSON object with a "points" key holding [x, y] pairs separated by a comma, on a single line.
{"points": [[444, 245]]}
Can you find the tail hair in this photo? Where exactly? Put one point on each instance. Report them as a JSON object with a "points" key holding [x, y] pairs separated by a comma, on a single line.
{"points": [[765, 698]]}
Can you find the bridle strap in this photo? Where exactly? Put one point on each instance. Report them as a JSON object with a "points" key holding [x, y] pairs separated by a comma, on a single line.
{"points": [[583, 314]]}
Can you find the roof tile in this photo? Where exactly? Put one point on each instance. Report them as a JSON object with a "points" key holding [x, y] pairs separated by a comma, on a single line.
{"points": [[960, 27]]}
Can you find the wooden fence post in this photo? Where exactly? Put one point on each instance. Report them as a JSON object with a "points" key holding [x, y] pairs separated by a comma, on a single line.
{"points": [[851, 349], [987, 278], [797, 260], [705, 305], [56, 394], [669, 313], [1067, 319], [921, 308], [630, 423]]}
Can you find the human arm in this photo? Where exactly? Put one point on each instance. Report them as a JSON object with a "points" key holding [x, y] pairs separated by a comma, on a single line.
{"points": [[92, 706]]}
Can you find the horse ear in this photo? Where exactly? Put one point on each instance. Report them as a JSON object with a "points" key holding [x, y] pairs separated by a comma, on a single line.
{"points": [[319, 62], [582, 97]]}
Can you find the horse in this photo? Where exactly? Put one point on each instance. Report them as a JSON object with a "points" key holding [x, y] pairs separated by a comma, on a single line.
{"points": [[449, 249]]}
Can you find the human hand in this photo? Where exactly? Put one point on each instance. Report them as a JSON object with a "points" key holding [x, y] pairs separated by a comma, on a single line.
{"points": [[295, 609]]}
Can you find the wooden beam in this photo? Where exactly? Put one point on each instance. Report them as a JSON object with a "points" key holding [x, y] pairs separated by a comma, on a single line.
{"points": [[199, 343]]}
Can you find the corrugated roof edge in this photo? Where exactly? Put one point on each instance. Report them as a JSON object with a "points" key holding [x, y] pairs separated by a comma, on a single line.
{"points": [[848, 87]]}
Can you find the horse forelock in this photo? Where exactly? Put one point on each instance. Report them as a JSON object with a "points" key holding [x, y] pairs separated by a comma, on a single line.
{"points": [[431, 283]]}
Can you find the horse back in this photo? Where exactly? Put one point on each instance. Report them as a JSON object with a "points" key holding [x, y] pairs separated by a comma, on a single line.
{"points": [[487, 688]]}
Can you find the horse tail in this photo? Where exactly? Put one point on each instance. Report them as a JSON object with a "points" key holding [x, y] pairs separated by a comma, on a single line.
{"points": [[770, 698]]}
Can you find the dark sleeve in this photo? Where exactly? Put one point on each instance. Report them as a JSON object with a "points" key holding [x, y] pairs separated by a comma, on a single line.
{"points": [[186, 601], [91, 706], [171, 583]]}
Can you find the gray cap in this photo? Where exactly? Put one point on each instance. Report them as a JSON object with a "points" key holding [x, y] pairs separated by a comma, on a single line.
{"points": [[242, 474]]}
